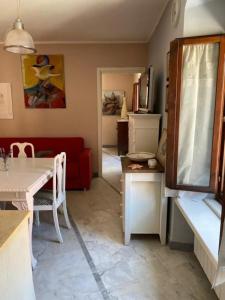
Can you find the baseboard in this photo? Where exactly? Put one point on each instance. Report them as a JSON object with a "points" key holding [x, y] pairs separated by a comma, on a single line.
{"points": [[95, 174], [181, 246]]}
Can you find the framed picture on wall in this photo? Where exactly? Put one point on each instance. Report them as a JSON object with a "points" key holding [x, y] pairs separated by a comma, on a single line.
{"points": [[112, 101], [43, 81], [6, 111]]}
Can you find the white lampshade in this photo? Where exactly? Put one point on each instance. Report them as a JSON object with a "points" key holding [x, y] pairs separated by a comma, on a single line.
{"points": [[19, 40]]}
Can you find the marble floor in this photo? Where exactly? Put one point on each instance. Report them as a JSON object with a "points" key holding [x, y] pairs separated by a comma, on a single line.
{"points": [[62, 271], [93, 263], [111, 167]]}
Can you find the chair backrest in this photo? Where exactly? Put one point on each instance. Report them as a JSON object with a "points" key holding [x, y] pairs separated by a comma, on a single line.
{"points": [[21, 148], [59, 178]]}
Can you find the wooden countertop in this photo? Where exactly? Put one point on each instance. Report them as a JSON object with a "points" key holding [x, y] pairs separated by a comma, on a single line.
{"points": [[125, 161], [10, 220]]}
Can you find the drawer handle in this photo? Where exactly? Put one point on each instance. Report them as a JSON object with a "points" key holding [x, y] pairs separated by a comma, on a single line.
{"points": [[121, 204], [121, 217], [121, 193]]}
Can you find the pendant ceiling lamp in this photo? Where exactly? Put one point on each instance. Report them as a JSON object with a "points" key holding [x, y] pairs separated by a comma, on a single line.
{"points": [[17, 39]]}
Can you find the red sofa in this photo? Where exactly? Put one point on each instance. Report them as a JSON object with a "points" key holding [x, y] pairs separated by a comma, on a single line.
{"points": [[79, 163]]}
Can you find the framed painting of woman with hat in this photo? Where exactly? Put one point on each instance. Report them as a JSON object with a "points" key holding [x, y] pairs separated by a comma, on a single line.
{"points": [[43, 81]]}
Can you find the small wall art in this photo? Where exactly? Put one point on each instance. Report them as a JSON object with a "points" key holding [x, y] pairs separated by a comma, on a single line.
{"points": [[5, 101], [112, 101], [43, 81]]}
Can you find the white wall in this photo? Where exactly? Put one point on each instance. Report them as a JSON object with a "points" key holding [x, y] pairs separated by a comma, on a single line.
{"points": [[197, 17], [204, 17], [159, 45], [179, 231]]}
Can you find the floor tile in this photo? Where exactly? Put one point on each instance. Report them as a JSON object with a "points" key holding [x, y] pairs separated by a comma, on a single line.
{"points": [[62, 271], [111, 167], [142, 270]]}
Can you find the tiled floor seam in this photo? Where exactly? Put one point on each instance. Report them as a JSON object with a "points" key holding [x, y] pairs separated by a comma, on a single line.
{"points": [[90, 262], [111, 185]]}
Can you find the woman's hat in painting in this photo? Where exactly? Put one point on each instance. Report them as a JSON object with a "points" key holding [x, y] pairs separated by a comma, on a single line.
{"points": [[42, 61], [43, 69]]}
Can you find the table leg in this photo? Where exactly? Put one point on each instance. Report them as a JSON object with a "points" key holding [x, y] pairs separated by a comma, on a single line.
{"points": [[31, 208], [28, 205]]}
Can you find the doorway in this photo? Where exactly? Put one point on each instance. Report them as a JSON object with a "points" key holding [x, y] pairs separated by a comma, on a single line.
{"points": [[113, 84]]}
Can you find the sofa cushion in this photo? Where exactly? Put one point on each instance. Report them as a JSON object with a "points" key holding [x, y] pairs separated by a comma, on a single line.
{"points": [[72, 169]]}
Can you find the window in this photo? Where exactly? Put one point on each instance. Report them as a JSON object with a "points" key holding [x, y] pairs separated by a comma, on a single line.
{"points": [[195, 140]]}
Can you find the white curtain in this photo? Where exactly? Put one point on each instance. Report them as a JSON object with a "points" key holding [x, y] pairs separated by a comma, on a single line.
{"points": [[198, 90]]}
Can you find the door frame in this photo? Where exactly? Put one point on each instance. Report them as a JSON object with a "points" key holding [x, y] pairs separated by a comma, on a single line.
{"points": [[100, 72]]}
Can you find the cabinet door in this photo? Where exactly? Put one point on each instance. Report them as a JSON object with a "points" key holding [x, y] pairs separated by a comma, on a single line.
{"points": [[195, 113], [144, 133]]}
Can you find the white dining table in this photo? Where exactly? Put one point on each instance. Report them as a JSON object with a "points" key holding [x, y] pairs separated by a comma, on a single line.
{"points": [[24, 178]]}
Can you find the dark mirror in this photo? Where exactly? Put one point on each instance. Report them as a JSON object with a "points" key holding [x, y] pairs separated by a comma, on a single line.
{"points": [[145, 103]]}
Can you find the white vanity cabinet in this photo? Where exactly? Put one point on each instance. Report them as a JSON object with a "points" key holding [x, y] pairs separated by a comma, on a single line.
{"points": [[144, 205], [143, 132]]}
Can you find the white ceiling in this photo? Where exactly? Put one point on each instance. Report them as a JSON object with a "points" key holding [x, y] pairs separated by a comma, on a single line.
{"points": [[84, 20]]}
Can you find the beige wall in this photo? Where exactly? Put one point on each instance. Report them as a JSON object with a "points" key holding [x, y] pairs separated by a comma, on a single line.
{"points": [[80, 116], [123, 82], [109, 130]]}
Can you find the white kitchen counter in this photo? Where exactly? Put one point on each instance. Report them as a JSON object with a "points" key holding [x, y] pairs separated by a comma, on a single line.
{"points": [[16, 279]]}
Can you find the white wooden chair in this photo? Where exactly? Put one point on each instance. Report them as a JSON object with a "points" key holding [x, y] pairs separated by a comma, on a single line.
{"points": [[53, 199], [21, 147]]}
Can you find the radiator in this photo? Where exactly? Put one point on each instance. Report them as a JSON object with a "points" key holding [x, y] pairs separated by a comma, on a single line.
{"points": [[209, 267]]}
